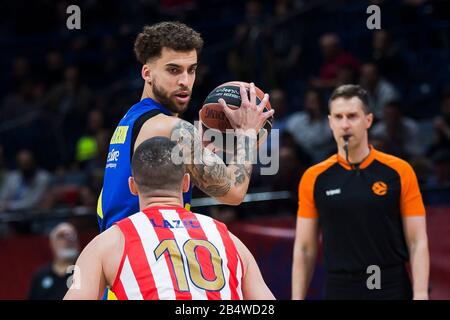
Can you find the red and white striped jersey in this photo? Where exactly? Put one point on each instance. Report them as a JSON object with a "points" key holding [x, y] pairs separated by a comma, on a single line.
{"points": [[172, 253]]}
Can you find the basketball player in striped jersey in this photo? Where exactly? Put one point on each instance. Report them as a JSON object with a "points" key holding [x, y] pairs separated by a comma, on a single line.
{"points": [[165, 251]]}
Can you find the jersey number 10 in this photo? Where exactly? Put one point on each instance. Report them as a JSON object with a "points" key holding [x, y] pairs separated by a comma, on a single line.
{"points": [[195, 269]]}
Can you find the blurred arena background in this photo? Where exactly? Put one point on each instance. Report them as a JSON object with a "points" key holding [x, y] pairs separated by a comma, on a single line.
{"points": [[63, 91]]}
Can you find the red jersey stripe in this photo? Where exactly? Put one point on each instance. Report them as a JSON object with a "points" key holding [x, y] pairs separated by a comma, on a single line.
{"points": [[138, 260], [231, 257], [198, 233], [119, 291], [165, 234]]}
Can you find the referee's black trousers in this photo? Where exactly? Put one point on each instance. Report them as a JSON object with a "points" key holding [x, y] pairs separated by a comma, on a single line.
{"points": [[395, 285]]}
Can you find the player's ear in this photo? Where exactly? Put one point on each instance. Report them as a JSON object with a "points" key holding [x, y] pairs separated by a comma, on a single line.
{"points": [[132, 186], [186, 182], [146, 73]]}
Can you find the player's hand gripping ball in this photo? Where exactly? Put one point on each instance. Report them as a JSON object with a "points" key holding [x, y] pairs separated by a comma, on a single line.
{"points": [[213, 117]]}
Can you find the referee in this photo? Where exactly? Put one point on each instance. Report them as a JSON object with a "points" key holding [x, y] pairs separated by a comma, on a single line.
{"points": [[368, 207]]}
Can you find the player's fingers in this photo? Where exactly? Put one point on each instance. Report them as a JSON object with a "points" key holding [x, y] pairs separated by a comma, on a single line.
{"points": [[200, 127], [226, 109], [268, 114], [244, 96], [263, 103], [252, 94], [200, 118]]}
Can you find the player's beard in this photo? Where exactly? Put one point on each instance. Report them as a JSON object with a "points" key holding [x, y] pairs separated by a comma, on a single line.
{"points": [[168, 100]]}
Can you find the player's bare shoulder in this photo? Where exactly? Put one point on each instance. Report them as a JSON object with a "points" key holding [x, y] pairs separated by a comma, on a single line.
{"points": [[159, 125]]}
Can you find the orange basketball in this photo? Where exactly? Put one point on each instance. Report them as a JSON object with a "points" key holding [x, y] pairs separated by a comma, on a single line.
{"points": [[213, 117]]}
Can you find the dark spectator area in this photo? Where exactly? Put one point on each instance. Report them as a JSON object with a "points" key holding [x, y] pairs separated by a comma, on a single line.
{"points": [[62, 91]]}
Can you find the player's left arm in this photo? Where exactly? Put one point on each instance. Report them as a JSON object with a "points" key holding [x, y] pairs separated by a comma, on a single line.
{"points": [[88, 280], [415, 230]]}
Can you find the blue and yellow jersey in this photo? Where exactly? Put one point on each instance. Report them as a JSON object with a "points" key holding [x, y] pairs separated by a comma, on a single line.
{"points": [[116, 201]]}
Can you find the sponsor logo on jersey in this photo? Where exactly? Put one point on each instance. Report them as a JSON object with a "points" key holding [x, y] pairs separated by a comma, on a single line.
{"points": [[113, 157], [120, 135], [333, 192]]}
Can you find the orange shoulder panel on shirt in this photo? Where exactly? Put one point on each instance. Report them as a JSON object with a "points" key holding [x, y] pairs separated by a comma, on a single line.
{"points": [[411, 203], [306, 204]]}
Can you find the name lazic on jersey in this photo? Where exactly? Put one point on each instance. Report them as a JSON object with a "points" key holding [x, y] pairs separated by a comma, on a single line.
{"points": [[174, 224]]}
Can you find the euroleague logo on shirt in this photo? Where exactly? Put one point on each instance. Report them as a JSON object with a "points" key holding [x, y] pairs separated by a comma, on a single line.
{"points": [[380, 188]]}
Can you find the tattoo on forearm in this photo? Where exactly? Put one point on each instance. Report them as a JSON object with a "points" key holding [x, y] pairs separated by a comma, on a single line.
{"points": [[243, 159], [208, 172], [242, 171]]}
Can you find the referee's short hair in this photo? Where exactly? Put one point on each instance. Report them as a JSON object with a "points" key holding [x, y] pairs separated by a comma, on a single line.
{"points": [[152, 166], [348, 91]]}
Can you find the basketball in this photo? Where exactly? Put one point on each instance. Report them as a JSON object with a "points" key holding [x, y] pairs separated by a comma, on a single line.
{"points": [[213, 117]]}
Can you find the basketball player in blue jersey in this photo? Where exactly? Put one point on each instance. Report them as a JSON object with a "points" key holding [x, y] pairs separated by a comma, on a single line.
{"points": [[169, 53]]}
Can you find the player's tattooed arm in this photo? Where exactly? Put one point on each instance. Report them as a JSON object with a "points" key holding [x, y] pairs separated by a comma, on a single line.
{"points": [[242, 161], [208, 172]]}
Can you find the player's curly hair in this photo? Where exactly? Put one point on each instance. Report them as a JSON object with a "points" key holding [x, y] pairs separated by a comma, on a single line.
{"points": [[174, 35]]}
